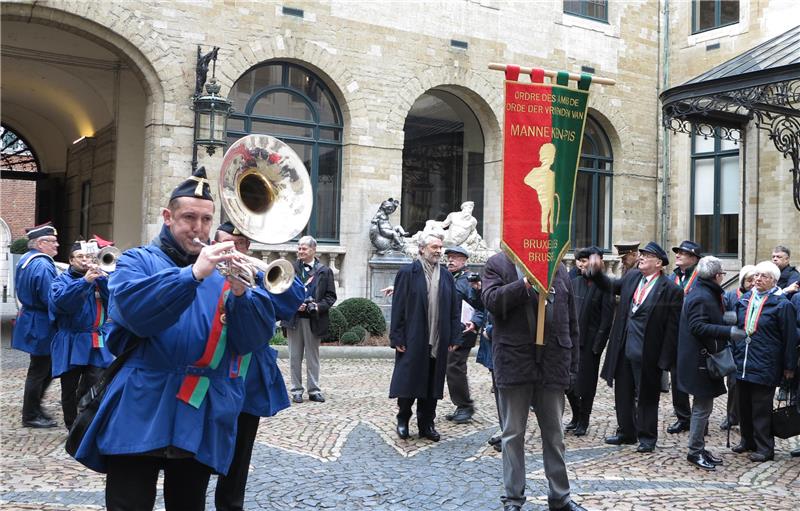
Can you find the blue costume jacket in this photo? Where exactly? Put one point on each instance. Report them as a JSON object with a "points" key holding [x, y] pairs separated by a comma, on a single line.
{"points": [[73, 309], [33, 330], [172, 313], [265, 390]]}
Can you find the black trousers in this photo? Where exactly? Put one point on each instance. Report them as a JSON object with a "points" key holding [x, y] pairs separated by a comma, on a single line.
{"points": [[426, 407], [36, 383], [680, 400], [74, 384], [733, 400], [755, 416], [581, 399], [229, 495], [457, 381], [637, 409], [131, 483]]}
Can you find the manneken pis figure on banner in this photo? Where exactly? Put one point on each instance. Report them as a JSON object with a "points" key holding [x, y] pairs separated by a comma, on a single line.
{"points": [[174, 403]]}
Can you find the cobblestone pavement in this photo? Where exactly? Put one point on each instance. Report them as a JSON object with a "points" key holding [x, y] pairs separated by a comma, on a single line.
{"points": [[343, 454]]}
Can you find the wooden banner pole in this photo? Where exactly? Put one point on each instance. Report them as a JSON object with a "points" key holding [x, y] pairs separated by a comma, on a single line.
{"points": [[540, 319], [552, 74]]}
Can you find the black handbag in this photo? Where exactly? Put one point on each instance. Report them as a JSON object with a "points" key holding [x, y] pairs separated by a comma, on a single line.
{"points": [[90, 402], [786, 419], [721, 363]]}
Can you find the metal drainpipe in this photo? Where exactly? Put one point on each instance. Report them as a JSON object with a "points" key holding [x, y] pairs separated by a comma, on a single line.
{"points": [[665, 137]]}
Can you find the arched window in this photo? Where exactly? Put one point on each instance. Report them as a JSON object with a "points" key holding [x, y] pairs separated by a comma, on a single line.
{"points": [[442, 160], [292, 104], [17, 155], [592, 212]]}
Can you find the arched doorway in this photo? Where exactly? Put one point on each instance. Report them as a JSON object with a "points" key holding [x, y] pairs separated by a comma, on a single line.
{"points": [[76, 99], [443, 162]]}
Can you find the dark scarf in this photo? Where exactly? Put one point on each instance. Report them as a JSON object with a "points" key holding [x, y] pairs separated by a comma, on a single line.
{"points": [[169, 246]]}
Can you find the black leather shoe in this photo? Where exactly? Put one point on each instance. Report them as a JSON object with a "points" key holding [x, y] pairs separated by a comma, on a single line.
{"points": [[317, 396], [619, 440], [462, 416], [569, 506], [726, 425], [678, 427], [795, 453], [430, 433], [297, 398], [740, 448], [710, 457], [700, 461], [39, 423], [497, 439], [580, 429], [759, 457], [511, 507], [571, 425], [402, 428], [645, 448]]}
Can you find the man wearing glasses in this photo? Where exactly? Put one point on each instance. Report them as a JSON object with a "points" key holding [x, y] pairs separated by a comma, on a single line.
{"points": [[642, 343], [33, 330]]}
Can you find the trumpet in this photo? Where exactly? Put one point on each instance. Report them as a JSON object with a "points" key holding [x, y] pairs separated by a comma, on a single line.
{"points": [[278, 275], [105, 259]]}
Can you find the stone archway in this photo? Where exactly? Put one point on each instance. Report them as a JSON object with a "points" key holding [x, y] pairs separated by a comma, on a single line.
{"points": [[95, 117]]}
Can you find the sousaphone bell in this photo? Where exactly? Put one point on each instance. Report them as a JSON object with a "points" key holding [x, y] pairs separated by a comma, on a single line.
{"points": [[266, 194]]}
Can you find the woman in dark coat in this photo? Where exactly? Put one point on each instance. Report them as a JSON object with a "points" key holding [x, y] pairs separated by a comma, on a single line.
{"points": [[702, 331], [768, 354]]}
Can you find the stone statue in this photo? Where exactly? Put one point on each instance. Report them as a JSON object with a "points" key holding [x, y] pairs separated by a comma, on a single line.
{"points": [[458, 228], [382, 234], [201, 69]]}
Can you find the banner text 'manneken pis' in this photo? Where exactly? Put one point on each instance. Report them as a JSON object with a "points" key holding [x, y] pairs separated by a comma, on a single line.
{"points": [[525, 130]]}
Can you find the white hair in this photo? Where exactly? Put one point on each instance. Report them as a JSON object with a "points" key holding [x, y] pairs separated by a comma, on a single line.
{"points": [[426, 238], [308, 241], [769, 268], [708, 267]]}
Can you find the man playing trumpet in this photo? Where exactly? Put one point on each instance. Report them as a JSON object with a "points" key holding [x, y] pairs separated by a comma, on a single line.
{"points": [[174, 403], [78, 307]]}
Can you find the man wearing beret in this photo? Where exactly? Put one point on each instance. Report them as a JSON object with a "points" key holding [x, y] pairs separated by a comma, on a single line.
{"points": [[78, 307], [265, 391], [470, 301], [174, 403], [33, 331], [687, 255], [643, 342]]}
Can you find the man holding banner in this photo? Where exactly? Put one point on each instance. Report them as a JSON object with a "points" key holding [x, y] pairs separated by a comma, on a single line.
{"points": [[535, 345]]}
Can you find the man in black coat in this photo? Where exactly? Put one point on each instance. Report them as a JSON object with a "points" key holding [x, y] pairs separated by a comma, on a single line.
{"points": [[643, 343], [595, 309], [687, 254], [790, 277], [310, 324], [426, 325], [528, 374]]}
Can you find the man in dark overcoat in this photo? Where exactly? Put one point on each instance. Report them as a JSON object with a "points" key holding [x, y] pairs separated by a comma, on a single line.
{"points": [[426, 324], [527, 374], [595, 310], [642, 344]]}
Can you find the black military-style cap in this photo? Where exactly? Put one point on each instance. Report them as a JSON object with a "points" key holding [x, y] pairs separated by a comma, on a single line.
{"points": [[655, 249], [45, 229], [626, 247], [229, 228], [196, 186], [690, 247]]}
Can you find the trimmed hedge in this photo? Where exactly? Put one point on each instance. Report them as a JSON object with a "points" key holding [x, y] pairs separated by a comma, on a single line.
{"points": [[361, 332], [362, 311], [350, 337], [337, 327], [19, 246]]}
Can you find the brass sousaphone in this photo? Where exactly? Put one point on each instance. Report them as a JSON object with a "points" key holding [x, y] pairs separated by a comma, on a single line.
{"points": [[266, 193]]}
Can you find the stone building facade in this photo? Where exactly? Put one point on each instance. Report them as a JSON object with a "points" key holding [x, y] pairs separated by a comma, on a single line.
{"points": [[123, 75]]}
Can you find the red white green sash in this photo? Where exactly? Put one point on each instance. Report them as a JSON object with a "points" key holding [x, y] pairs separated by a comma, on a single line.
{"points": [[753, 314], [98, 340], [686, 284], [194, 388]]}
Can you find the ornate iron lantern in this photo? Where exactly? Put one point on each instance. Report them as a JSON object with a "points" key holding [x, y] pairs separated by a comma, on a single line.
{"points": [[211, 110]]}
